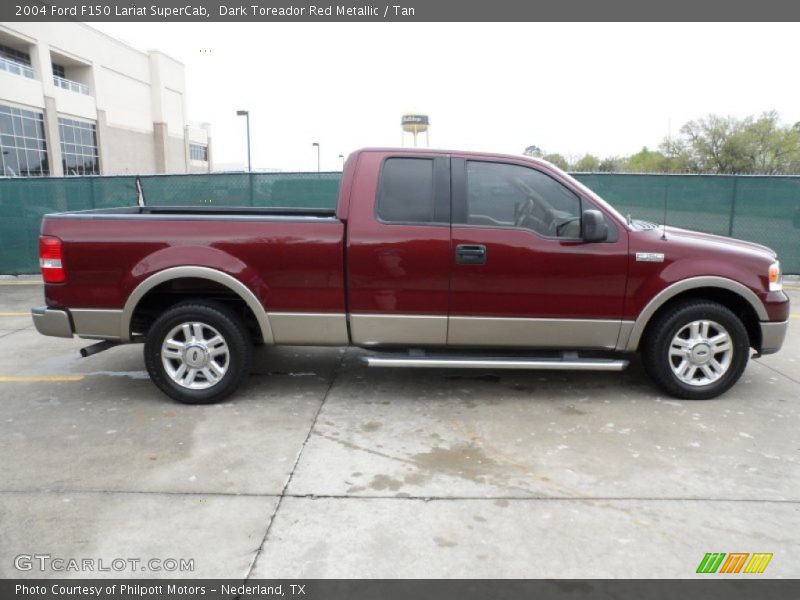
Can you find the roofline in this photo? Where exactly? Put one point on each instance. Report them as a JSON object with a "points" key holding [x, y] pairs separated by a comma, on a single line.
{"points": [[435, 151], [127, 44]]}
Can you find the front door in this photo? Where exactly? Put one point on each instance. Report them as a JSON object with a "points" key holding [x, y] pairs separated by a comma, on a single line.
{"points": [[520, 273]]}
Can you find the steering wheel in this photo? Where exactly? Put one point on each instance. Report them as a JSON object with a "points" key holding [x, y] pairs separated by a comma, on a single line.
{"points": [[525, 213]]}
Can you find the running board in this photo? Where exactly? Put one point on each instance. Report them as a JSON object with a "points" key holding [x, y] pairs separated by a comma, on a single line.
{"points": [[568, 362]]}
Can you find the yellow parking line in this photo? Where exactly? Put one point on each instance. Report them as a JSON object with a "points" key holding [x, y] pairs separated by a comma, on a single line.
{"points": [[14, 314], [41, 378]]}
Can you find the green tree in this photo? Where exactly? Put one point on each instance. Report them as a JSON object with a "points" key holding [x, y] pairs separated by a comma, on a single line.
{"points": [[612, 164], [752, 145], [557, 160], [767, 147], [679, 160], [648, 161], [534, 151], [589, 163], [714, 145]]}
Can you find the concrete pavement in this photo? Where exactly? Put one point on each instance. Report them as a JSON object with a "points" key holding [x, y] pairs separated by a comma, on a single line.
{"points": [[320, 467]]}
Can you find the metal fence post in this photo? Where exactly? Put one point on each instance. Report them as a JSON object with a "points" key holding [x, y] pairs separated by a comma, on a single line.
{"points": [[733, 205]]}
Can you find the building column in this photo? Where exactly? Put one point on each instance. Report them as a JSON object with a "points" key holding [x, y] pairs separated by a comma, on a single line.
{"points": [[186, 156], [52, 136], [100, 131], [160, 141]]}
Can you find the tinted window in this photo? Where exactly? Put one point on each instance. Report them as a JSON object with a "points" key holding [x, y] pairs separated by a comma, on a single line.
{"points": [[503, 195], [406, 192]]}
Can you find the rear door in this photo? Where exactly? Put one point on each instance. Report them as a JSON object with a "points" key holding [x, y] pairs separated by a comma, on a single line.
{"points": [[398, 249], [521, 274]]}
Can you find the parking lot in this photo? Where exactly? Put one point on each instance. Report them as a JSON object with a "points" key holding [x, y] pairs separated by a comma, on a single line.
{"points": [[322, 468]]}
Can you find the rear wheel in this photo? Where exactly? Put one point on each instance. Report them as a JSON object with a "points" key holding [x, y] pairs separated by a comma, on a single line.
{"points": [[696, 350], [198, 352]]}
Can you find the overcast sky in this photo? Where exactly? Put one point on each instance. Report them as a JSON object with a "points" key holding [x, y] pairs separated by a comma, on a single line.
{"points": [[572, 88]]}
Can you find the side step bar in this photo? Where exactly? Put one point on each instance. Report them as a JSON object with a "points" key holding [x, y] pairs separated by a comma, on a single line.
{"points": [[568, 362]]}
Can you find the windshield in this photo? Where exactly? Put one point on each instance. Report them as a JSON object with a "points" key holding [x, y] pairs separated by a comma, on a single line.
{"points": [[590, 193]]}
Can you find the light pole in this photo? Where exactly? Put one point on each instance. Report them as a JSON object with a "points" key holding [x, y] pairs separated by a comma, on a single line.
{"points": [[246, 114], [341, 156], [317, 145]]}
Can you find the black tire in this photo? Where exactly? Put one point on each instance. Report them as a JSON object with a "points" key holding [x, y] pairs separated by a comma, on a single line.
{"points": [[655, 349], [212, 316]]}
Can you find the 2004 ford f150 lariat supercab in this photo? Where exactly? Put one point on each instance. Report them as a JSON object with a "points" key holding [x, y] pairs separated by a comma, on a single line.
{"points": [[431, 259]]}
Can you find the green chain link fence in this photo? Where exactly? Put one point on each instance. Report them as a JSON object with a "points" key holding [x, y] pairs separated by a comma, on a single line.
{"points": [[758, 208], [764, 209]]}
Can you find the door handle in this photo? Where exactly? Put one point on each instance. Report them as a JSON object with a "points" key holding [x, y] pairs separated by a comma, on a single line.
{"points": [[470, 254]]}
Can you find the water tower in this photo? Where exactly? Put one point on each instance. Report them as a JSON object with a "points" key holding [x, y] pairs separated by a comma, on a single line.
{"points": [[415, 123]]}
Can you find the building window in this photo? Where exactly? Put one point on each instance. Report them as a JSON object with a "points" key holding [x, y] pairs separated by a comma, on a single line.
{"points": [[78, 147], [198, 152], [58, 71], [16, 62], [15, 55], [23, 148]]}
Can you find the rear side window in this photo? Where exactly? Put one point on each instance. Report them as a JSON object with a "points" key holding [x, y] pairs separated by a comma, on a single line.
{"points": [[406, 191]]}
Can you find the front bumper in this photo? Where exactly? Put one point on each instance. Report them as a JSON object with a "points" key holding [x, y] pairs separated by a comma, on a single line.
{"points": [[773, 333], [52, 321]]}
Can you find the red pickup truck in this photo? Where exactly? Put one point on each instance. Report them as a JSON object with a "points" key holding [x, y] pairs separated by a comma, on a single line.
{"points": [[430, 259]]}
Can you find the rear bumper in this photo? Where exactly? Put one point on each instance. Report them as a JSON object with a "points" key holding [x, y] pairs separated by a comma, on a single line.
{"points": [[773, 333], [92, 324], [52, 321]]}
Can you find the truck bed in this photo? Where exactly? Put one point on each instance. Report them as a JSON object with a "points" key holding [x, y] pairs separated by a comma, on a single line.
{"points": [[291, 258]]}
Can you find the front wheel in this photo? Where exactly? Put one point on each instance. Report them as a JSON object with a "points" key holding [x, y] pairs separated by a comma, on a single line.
{"points": [[696, 350], [198, 352]]}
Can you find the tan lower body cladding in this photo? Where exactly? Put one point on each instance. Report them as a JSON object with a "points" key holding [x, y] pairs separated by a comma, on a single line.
{"points": [[438, 330]]}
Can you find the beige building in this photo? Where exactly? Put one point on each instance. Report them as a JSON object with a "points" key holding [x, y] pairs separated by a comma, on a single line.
{"points": [[74, 101]]}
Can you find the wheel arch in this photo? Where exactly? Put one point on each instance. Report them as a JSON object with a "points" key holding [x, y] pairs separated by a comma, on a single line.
{"points": [[236, 287], [732, 294]]}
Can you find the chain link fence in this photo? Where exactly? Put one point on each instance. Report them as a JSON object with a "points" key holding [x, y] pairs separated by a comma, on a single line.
{"points": [[763, 209], [758, 208]]}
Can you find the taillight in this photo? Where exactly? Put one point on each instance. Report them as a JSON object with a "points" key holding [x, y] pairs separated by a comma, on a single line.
{"points": [[51, 259]]}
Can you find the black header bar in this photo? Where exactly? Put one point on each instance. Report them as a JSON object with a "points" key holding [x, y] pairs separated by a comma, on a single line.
{"points": [[709, 588], [399, 10]]}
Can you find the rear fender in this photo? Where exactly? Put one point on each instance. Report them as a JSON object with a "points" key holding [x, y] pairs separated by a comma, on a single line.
{"points": [[221, 268]]}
